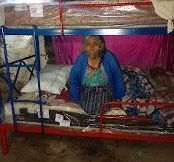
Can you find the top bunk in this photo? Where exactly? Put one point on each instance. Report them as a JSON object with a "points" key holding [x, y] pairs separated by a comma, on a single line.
{"points": [[82, 17]]}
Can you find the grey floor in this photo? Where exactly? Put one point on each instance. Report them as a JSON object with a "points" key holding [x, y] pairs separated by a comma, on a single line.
{"points": [[42, 148]]}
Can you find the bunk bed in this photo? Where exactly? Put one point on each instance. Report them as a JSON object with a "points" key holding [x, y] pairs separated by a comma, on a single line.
{"points": [[77, 18]]}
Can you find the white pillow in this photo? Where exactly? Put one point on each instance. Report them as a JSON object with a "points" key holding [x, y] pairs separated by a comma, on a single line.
{"points": [[53, 68], [53, 79]]}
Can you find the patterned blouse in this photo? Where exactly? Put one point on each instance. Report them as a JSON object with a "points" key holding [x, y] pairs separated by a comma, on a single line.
{"points": [[95, 78]]}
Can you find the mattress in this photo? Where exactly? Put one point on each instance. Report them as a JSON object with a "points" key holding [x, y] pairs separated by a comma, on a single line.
{"points": [[68, 115], [47, 14]]}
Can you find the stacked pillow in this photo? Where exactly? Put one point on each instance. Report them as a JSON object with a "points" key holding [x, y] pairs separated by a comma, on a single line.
{"points": [[53, 79]]}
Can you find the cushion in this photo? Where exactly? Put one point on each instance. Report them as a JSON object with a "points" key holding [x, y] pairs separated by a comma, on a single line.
{"points": [[164, 116], [161, 79], [53, 79]]}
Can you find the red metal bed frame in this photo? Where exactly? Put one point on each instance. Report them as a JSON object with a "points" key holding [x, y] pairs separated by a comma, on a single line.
{"points": [[97, 5], [26, 128], [100, 133]]}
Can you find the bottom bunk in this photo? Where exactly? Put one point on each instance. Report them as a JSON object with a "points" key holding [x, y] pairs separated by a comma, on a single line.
{"points": [[138, 131], [68, 119], [139, 117], [146, 115]]}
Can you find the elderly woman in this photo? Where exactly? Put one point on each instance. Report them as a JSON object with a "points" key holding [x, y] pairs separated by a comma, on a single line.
{"points": [[96, 76]]}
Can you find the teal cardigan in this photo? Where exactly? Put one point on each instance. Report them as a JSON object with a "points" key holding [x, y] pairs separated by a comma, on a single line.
{"points": [[111, 67]]}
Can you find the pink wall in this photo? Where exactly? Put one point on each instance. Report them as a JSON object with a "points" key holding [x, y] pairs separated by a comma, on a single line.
{"points": [[143, 51]]}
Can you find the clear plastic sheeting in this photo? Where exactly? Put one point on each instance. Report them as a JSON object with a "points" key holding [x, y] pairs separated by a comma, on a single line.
{"points": [[67, 115], [111, 17], [20, 47], [86, 123], [34, 14], [2, 17], [11, 2], [82, 14]]}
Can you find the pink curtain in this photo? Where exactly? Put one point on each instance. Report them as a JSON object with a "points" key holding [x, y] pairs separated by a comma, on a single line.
{"points": [[143, 51]]}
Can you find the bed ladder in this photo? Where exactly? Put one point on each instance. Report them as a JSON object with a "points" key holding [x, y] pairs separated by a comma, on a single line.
{"points": [[19, 64]]}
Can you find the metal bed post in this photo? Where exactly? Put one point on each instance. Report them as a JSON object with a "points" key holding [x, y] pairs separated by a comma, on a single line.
{"points": [[3, 138], [37, 68], [1, 109], [8, 76]]}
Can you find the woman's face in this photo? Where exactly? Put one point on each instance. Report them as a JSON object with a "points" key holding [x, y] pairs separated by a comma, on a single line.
{"points": [[92, 47]]}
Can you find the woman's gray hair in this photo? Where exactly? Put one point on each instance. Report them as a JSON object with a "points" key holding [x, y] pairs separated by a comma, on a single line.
{"points": [[99, 38]]}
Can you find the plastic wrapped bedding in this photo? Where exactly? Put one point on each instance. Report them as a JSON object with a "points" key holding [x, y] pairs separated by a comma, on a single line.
{"points": [[47, 14], [54, 109], [70, 116], [19, 47], [52, 103]]}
